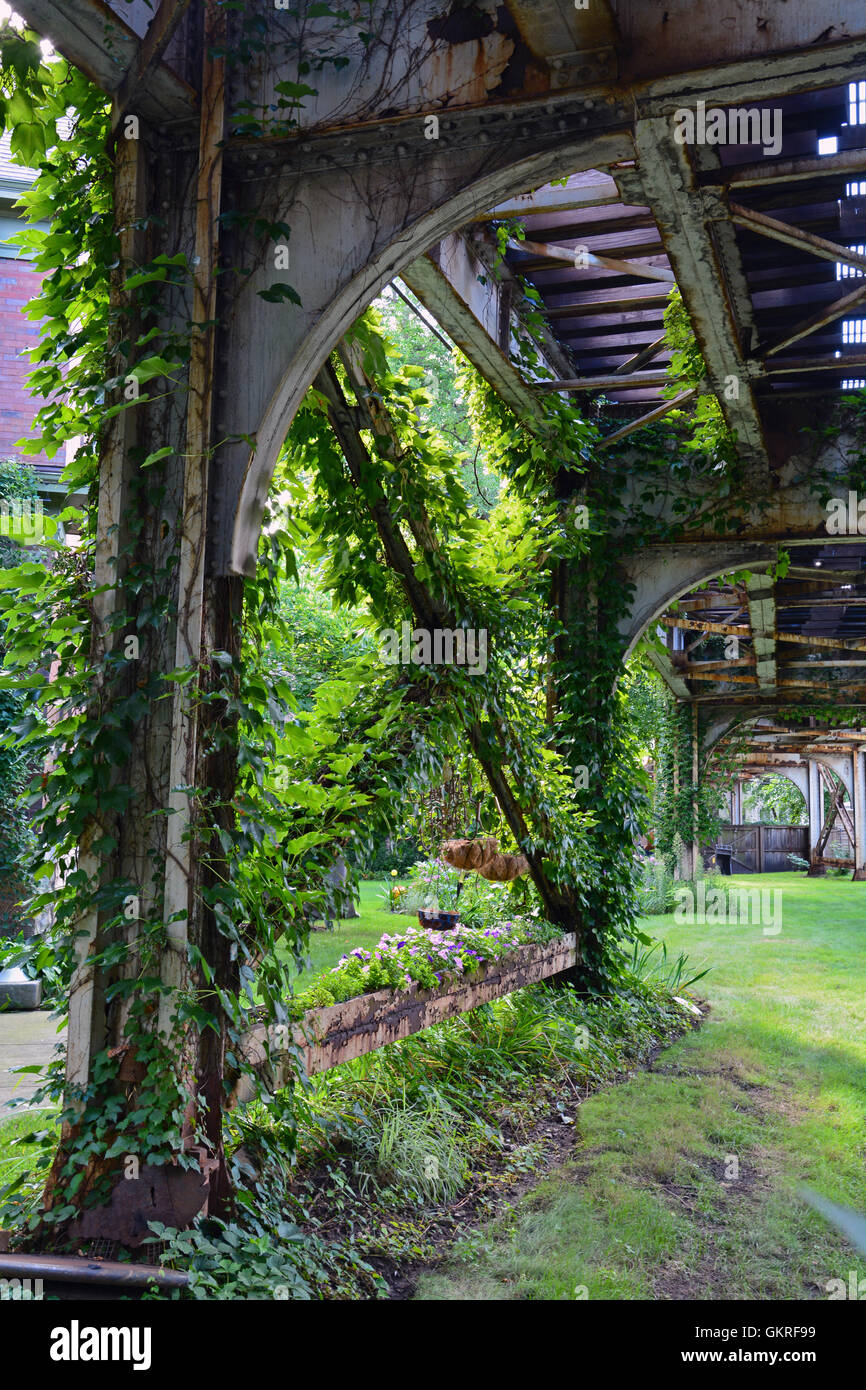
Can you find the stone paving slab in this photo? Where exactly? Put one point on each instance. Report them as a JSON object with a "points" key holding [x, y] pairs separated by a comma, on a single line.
{"points": [[27, 1039]]}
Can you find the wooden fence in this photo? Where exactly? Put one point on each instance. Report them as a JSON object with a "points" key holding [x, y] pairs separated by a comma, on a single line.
{"points": [[763, 849], [325, 1037]]}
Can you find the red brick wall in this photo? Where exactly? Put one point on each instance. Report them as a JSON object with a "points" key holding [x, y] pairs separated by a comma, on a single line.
{"points": [[19, 282]]}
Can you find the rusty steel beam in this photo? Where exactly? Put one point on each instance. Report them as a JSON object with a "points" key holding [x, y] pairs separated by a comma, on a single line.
{"points": [[838, 797], [834, 665], [95, 39], [768, 172], [645, 355], [605, 383], [762, 620], [844, 644], [587, 259], [841, 600], [142, 70], [447, 281], [740, 63], [819, 576], [582, 191], [179, 864], [682, 399], [77, 1269], [824, 316], [669, 186], [720, 679], [701, 625], [815, 364], [854, 695], [718, 665], [852, 644], [669, 673]]}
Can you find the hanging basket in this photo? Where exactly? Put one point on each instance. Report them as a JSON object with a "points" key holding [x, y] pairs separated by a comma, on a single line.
{"points": [[483, 857]]}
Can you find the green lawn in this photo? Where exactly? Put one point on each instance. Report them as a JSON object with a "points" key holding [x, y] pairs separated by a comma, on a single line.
{"points": [[326, 947], [772, 1088]]}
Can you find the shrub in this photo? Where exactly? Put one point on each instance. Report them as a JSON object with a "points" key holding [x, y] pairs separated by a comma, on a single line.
{"points": [[656, 888], [389, 855]]}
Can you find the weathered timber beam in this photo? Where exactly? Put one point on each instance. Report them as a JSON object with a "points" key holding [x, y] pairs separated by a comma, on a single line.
{"points": [[766, 226]]}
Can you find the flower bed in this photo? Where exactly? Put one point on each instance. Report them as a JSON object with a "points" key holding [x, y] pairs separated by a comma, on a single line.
{"points": [[415, 959], [334, 1032]]}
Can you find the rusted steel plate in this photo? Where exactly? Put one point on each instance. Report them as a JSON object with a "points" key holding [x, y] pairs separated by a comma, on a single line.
{"points": [[328, 1036]]}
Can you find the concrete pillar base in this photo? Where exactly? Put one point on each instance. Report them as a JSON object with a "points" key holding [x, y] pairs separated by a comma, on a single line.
{"points": [[17, 992], [859, 875], [816, 871]]}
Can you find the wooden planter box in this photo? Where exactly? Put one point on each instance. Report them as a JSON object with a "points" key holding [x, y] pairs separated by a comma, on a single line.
{"points": [[328, 1036]]}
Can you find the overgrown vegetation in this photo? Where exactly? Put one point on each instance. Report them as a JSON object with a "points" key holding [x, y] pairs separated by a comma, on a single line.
{"points": [[390, 509], [386, 1146]]}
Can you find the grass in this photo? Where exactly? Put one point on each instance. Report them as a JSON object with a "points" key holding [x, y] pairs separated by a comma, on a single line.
{"points": [[16, 1158], [684, 1181], [326, 947]]}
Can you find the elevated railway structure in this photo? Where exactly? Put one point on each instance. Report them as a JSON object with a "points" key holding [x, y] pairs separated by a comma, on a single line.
{"points": [[592, 154]]}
